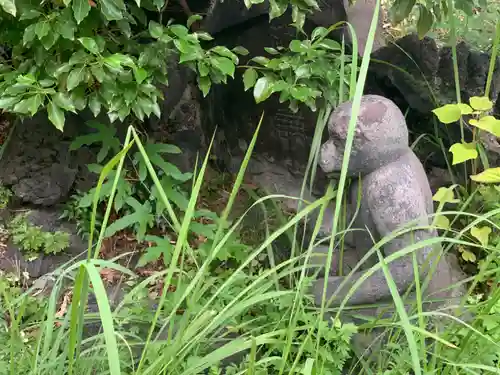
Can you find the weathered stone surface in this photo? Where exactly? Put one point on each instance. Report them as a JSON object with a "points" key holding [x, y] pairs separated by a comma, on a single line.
{"points": [[394, 193], [37, 164]]}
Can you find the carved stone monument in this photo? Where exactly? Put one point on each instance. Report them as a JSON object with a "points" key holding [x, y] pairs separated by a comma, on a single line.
{"points": [[394, 192]]}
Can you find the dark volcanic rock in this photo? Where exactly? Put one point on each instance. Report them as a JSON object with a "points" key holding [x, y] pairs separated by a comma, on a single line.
{"points": [[37, 164]]}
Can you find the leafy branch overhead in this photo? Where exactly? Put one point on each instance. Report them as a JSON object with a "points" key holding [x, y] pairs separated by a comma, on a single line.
{"points": [[76, 54], [108, 56]]}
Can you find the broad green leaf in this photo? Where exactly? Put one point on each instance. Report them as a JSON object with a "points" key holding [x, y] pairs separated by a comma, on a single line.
{"points": [[249, 78], [8, 102], [425, 21], [140, 75], [50, 39], [263, 89], [319, 32], [65, 25], [117, 60], [30, 14], [29, 34], [89, 44], [303, 71], [467, 255], [223, 51], [42, 28], [442, 222], [225, 65], [463, 152], [141, 219], [155, 29], [401, 9], [488, 123], [192, 19], [481, 103], [482, 234], [153, 253], [448, 113], [98, 72], [81, 9], [465, 108], [9, 6], [261, 60], [64, 102], [75, 77], [240, 51], [204, 83], [445, 195], [112, 9], [125, 28], [29, 105], [95, 104], [179, 30], [104, 135], [488, 176], [56, 116]]}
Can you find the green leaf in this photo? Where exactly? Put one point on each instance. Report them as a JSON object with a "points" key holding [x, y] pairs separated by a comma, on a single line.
{"points": [[481, 103], [81, 9], [105, 135], [125, 27], [8, 102], [465, 108], [117, 60], [488, 176], [482, 234], [401, 9], [425, 21], [29, 105], [448, 113], [140, 75], [9, 6], [488, 123], [223, 51], [240, 51], [74, 78], [179, 30], [95, 104], [29, 34], [204, 83], [112, 9], [56, 116], [90, 45], [249, 78], [203, 35], [192, 19], [42, 28], [225, 65], [152, 254], [155, 29], [463, 152], [141, 219], [65, 26], [263, 89], [303, 71], [442, 222], [445, 195], [64, 102], [467, 255]]}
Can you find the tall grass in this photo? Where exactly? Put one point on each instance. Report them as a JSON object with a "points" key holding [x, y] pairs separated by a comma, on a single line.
{"points": [[164, 342]]}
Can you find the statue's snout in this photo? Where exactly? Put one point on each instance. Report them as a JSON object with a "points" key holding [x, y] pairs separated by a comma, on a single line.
{"points": [[328, 157]]}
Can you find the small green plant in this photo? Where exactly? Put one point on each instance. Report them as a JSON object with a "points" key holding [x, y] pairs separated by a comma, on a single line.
{"points": [[32, 239], [5, 195]]}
